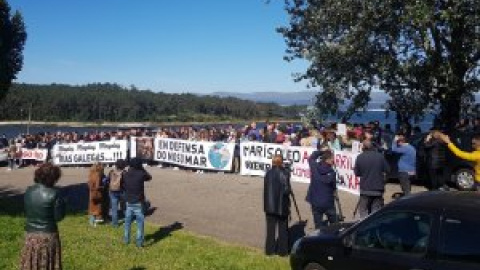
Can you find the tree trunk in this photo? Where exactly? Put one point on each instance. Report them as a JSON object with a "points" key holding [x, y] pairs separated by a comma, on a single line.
{"points": [[450, 111]]}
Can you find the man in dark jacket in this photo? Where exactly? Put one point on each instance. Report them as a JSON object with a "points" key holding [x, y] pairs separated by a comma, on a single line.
{"points": [[371, 167], [436, 162], [276, 204], [133, 181], [322, 188]]}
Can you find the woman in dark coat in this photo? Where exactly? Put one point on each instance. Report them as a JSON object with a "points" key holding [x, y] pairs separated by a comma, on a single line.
{"points": [[276, 205], [43, 209]]}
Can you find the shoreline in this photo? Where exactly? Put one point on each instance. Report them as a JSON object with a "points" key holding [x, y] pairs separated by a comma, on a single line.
{"points": [[135, 124]]}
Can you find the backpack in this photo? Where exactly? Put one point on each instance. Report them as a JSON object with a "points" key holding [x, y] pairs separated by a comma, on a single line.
{"points": [[115, 180]]}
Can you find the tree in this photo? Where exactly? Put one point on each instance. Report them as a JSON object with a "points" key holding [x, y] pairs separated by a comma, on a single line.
{"points": [[424, 54], [12, 42]]}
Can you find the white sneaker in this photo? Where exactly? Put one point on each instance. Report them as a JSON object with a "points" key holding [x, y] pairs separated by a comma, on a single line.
{"points": [[176, 168]]}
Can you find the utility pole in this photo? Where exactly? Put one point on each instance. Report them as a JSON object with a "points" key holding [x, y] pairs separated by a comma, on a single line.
{"points": [[29, 118]]}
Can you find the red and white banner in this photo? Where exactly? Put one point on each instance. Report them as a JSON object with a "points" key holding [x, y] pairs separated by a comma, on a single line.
{"points": [[344, 164], [35, 154], [256, 159]]}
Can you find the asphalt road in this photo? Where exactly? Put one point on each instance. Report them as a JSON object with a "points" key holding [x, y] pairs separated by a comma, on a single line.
{"points": [[224, 206]]}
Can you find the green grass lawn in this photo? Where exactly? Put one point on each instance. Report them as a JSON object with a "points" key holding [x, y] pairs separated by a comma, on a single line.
{"points": [[86, 247]]}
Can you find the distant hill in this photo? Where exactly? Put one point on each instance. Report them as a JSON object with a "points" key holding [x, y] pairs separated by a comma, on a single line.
{"points": [[294, 98], [378, 98], [282, 98]]}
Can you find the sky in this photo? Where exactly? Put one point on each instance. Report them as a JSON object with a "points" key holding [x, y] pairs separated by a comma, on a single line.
{"points": [[175, 46]]}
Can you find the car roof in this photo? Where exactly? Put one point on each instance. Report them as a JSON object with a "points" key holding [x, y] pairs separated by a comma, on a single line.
{"points": [[434, 200]]}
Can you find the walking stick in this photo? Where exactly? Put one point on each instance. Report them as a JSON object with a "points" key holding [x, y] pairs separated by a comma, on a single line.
{"points": [[296, 206], [289, 170]]}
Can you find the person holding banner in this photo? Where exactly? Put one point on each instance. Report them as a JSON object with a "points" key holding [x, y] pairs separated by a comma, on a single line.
{"points": [[372, 167], [276, 205], [12, 154], [322, 188]]}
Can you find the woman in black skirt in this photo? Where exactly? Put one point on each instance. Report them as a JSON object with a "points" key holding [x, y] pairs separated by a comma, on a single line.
{"points": [[43, 209]]}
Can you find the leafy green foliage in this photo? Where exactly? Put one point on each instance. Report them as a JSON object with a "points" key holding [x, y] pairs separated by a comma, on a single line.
{"points": [[424, 54], [113, 103], [12, 42]]}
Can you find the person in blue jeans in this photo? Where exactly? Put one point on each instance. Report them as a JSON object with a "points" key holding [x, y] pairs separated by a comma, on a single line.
{"points": [[116, 188], [134, 180]]}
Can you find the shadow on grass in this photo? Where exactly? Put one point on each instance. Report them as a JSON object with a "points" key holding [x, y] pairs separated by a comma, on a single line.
{"points": [[76, 197], [11, 202], [162, 233], [138, 268]]}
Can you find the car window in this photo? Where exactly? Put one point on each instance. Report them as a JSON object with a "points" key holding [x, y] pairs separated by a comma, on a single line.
{"points": [[460, 239], [395, 231]]}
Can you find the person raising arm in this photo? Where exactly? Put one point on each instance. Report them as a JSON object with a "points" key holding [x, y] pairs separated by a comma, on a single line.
{"points": [[470, 156]]}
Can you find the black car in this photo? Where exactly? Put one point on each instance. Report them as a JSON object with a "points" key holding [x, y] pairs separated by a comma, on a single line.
{"points": [[435, 230], [462, 174]]}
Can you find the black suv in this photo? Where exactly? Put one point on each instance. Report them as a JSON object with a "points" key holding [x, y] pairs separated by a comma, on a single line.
{"points": [[428, 230], [461, 171]]}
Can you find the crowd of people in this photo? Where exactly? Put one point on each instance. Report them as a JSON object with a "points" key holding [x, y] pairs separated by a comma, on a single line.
{"points": [[312, 135], [371, 166], [124, 185]]}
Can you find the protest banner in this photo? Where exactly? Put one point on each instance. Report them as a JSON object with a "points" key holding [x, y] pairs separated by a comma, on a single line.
{"points": [[142, 147], [256, 159], [344, 165], [89, 152], [34, 154], [341, 130], [217, 156]]}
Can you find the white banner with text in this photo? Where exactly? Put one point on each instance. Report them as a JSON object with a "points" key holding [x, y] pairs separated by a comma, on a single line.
{"points": [[89, 152], [216, 156], [256, 159]]}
